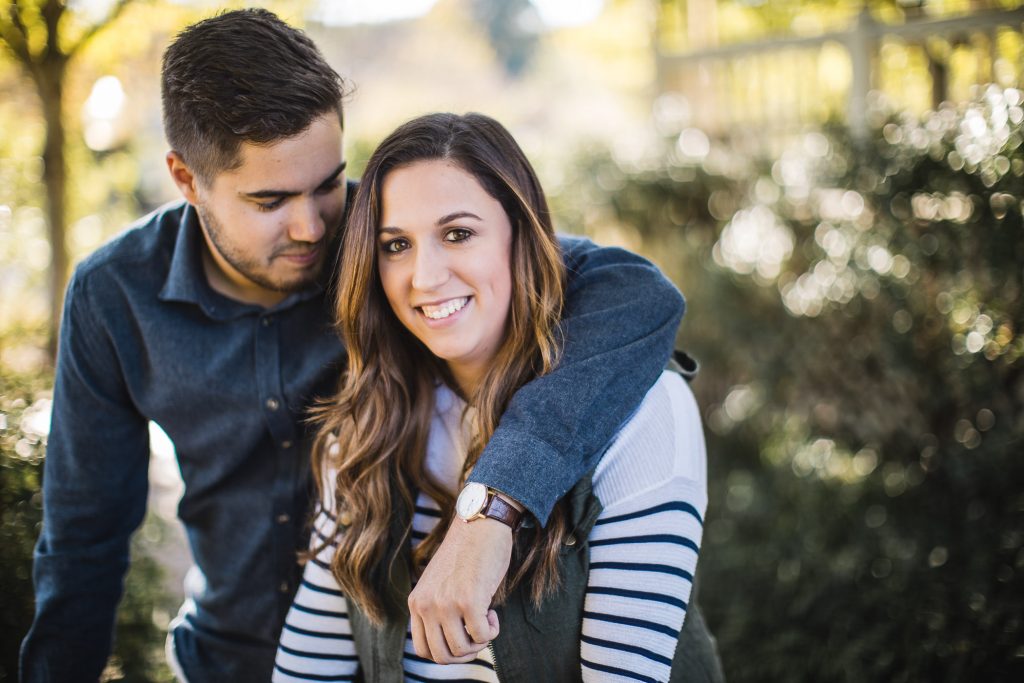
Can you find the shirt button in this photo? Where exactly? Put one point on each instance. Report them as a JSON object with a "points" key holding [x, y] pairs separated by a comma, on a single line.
{"points": [[266, 321], [571, 541], [286, 444], [272, 404], [283, 518], [283, 587]]}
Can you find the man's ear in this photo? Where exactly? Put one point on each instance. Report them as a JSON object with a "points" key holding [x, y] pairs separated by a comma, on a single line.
{"points": [[183, 177]]}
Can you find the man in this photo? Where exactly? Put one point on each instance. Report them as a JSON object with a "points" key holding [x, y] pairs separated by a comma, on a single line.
{"points": [[212, 318]]}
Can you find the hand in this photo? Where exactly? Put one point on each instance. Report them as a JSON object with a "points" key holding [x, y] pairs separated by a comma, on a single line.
{"points": [[450, 606]]}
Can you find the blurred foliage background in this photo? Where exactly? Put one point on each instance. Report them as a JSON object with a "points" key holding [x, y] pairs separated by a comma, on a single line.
{"points": [[837, 188]]}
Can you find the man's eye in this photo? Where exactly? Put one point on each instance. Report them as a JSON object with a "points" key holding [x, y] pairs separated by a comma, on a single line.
{"points": [[269, 206], [457, 235], [395, 246], [329, 187]]}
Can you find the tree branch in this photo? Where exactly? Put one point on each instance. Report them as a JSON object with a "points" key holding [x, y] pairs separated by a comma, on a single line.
{"points": [[15, 36], [91, 32], [51, 11]]}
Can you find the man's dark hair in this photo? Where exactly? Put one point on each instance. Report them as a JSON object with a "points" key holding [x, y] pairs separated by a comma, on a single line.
{"points": [[242, 76]]}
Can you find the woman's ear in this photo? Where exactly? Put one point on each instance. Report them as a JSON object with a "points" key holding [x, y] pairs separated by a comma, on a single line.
{"points": [[182, 176]]}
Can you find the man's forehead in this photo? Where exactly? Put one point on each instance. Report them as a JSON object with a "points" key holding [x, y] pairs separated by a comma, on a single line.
{"points": [[295, 164]]}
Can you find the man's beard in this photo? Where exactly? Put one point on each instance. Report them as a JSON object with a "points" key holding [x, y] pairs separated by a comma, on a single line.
{"points": [[251, 267]]}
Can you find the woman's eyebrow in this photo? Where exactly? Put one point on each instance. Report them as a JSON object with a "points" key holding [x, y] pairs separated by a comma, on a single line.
{"points": [[456, 215], [447, 218]]}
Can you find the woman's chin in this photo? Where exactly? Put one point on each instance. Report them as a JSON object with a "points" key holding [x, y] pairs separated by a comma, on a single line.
{"points": [[446, 353]]}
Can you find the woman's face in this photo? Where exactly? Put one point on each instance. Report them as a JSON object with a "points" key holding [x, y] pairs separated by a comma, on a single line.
{"points": [[444, 252]]}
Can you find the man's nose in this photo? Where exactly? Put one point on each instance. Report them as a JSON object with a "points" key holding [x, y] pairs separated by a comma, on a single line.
{"points": [[306, 224]]}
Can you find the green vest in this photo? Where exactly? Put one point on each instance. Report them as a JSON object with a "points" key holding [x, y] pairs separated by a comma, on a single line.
{"points": [[534, 646]]}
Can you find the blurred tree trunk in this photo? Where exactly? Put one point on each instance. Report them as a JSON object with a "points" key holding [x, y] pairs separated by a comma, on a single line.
{"points": [[47, 67], [51, 90], [938, 69]]}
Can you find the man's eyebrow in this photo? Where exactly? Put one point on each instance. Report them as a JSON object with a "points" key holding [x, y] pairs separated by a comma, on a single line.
{"points": [[334, 174], [275, 194]]}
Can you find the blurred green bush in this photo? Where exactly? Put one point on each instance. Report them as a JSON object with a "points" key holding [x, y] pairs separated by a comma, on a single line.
{"points": [[143, 614], [856, 306]]}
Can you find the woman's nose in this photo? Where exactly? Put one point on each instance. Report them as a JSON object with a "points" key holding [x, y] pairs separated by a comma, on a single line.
{"points": [[430, 270]]}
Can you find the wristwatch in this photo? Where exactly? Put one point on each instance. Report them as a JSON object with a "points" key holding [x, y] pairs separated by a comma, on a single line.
{"points": [[476, 501]]}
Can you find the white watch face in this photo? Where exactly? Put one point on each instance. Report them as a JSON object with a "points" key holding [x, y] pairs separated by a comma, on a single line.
{"points": [[471, 500]]}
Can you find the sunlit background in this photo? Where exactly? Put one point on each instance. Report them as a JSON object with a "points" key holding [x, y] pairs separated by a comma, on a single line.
{"points": [[836, 186]]}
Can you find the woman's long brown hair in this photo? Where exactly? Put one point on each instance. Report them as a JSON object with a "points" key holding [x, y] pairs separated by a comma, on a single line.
{"points": [[380, 417]]}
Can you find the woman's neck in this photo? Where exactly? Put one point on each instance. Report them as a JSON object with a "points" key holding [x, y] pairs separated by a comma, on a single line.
{"points": [[467, 378]]}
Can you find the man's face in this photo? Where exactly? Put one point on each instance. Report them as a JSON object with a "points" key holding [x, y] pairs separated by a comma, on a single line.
{"points": [[268, 222]]}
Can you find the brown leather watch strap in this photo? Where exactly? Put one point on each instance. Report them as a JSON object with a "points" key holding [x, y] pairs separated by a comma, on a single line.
{"points": [[502, 511]]}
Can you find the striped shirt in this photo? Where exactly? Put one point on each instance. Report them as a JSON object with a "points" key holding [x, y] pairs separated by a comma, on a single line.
{"points": [[643, 552]]}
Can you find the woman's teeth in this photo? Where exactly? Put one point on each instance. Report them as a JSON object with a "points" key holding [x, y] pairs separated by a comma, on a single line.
{"points": [[445, 309]]}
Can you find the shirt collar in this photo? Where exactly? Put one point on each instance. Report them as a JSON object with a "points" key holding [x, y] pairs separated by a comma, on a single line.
{"points": [[186, 280], [185, 277]]}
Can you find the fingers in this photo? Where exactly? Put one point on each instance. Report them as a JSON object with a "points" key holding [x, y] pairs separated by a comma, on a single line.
{"points": [[446, 640], [445, 645], [492, 621], [419, 637], [438, 651], [459, 645], [479, 627], [449, 607]]}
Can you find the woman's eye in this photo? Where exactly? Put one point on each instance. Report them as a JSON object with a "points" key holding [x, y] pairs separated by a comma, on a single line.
{"points": [[457, 235], [395, 246]]}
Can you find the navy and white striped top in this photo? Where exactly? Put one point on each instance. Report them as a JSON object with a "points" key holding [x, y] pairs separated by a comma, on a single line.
{"points": [[643, 552]]}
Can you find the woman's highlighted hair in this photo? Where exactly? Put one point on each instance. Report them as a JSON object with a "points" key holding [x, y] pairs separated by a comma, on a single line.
{"points": [[381, 413]]}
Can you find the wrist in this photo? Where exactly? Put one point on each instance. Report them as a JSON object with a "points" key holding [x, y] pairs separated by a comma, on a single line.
{"points": [[487, 528], [477, 501]]}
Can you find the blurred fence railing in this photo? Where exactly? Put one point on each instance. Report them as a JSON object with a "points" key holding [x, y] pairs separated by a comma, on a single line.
{"points": [[781, 85]]}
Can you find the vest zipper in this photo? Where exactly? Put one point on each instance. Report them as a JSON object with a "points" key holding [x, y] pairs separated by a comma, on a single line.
{"points": [[494, 656]]}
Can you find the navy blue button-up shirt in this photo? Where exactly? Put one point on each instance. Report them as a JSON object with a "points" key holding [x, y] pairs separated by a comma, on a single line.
{"points": [[144, 338]]}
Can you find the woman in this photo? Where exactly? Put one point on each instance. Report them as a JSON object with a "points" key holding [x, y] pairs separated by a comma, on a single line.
{"points": [[450, 293]]}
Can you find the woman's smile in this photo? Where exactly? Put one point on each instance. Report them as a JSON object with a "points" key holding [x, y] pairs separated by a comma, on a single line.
{"points": [[445, 310]]}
